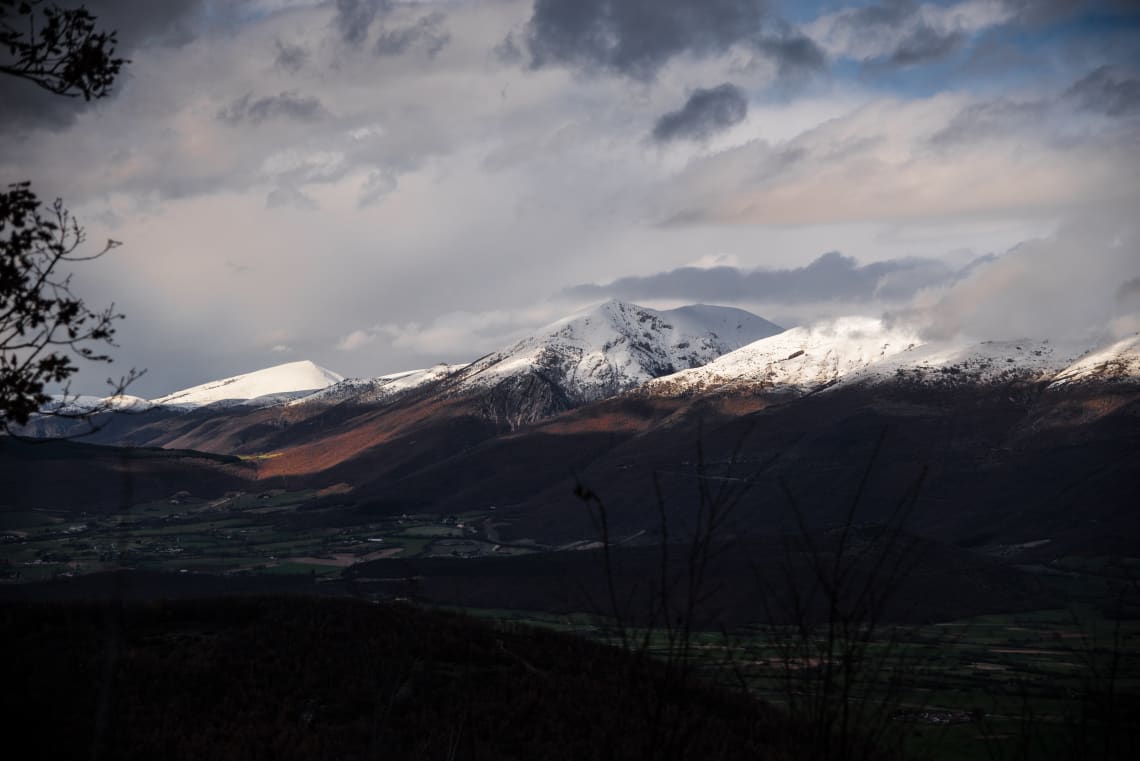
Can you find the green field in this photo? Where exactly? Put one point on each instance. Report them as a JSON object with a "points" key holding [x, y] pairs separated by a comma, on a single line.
{"points": [[241, 533], [1043, 684]]}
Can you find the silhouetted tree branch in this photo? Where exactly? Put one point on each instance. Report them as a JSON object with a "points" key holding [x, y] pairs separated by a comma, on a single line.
{"points": [[58, 49], [44, 326]]}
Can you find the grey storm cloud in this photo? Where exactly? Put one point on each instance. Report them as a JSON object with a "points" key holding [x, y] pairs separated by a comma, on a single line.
{"points": [[27, 107], [1108, 90], [427, 32], [993, 118], [354, 18], [925, 45], [290, 57], [1129, 291], [831, 277], [289, 197], [922, 45], [706, 112], [286, 105], [1044, 11], [793, 52], [146, 22], [637, 38]]}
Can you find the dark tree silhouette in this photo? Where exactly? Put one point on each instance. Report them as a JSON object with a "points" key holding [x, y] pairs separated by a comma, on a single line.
{"points": [[58, 49], [44, 326]]}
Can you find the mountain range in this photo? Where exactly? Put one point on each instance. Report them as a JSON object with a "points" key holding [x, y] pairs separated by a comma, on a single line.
{"points": [[618, 347], [1029, 448]]}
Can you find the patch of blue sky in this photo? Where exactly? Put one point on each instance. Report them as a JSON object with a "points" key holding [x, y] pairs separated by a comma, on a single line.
{"points": [[1010, 57]]}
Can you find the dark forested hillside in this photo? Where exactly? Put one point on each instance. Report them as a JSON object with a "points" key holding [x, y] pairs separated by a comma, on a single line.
{"points": [[303, 678]]}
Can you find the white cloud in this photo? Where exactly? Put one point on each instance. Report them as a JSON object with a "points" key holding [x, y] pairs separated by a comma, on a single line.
{"points": [[355, 340], [472, 333], [892, 160], [1063, 286], [709, 261]]}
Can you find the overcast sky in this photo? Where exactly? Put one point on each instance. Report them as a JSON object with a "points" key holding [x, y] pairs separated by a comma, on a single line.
{"points": [[380, 185]]}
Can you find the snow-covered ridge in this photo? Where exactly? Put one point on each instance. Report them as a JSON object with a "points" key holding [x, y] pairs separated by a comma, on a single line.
{"points": [[86, 404], [292, 384], [615, 346], [378, 389], [1118, 361], [856, 350], [963, 361], [803, 358], [280, 381]]}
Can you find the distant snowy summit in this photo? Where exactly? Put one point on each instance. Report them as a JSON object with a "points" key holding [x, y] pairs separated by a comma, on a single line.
{"points": [[266, 387], [617, 345], [271, 385], [75, 406], [601, 352], [868, 351]]}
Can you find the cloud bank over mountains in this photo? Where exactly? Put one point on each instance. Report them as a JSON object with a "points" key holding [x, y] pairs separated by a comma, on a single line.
{"points": [[831, 277], [1046, 287]]}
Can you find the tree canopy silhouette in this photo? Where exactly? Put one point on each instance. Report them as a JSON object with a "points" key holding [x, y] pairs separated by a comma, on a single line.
{"points": [[58, 49], [44, 326]]}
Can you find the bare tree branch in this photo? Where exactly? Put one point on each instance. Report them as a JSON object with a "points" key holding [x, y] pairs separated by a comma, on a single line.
{"points": [[44, 326], [57, 49]]}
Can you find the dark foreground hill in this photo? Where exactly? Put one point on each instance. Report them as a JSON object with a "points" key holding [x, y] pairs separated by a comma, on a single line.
{"points": [[304, 678], [85, 478]]}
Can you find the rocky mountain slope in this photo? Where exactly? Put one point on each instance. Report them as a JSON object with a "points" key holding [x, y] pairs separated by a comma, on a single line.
{"points": [[599, 353], [375, 390]]}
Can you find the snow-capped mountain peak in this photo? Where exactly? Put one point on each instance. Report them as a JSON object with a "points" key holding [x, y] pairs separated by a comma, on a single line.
{"points": [[607, 349], [291, 378]]}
